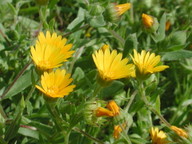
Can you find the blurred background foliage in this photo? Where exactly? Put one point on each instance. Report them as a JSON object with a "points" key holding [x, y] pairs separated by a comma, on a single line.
{"points": [[87, 24]]}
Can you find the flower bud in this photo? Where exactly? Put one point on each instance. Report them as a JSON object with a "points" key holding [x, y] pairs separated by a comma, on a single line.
{"points": [[93, 113], [150, 23], [104, 47], [147, 20], [113, 12], [167, 25], [179, 131]]}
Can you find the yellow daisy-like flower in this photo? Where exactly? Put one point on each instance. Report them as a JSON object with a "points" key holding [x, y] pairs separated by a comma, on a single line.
{"points": [[56, 84], [158, 136], [179, 131], [147, 20], [122, 8], [146, 63], [111, 66], [50, 51]]}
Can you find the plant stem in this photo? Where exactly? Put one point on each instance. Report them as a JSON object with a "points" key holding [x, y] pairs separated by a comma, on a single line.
{"points": [[130, 101], [66, 136], [77, 55], [87, 135], [82, 27], [2, 112], [97, 90], [149, 106], [55, 116]]}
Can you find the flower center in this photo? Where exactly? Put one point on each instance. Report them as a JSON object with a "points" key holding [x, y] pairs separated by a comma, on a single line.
{"points": [[52, 90], [44, 64]]}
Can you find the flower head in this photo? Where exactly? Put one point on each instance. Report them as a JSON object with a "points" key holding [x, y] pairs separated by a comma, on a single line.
{"points": [[50, 51], [146, 63], [122, 8], [179, 131], [111, 66], [56, 84], [147, 20], [158, 136]]}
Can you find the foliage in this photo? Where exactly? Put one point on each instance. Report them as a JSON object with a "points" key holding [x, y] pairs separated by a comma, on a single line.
{"points": [[160, 100]]}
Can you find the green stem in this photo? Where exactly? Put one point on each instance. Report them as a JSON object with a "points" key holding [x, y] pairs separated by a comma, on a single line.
{"points": [[43, 16], [82, 27], [149, 106], [97, 90], [130, 101], [132, 12], [55, 116], [87, 135], [66, 136], [2, 112], [30, 93], [77, 55]]}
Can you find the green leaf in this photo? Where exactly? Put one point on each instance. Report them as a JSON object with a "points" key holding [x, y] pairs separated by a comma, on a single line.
{"points": [[111, 90], [78, 74], [77, 21], [97, 21], [22, 83], [158, 104], [12, 130], [160, 35], [29, 132], [130, 44], [178, 38], [28, 23], [176, 55]]}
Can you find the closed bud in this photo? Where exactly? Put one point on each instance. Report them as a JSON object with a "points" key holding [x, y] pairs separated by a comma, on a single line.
{"points": [[150, 23], [179, 131], [167, 25], [93, 113], [113, 11]]}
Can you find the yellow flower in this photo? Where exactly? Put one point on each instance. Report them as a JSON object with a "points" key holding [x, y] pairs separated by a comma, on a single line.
{"points": [[158, 137], [147, 20], [112, 106], [50, 51], [56, 84], [111, 66], [118, 129], [179, 131], [146, 63], [122, 8]]}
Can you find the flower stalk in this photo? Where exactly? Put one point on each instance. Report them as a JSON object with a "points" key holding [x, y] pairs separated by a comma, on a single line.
{"points": [[149, 106]]}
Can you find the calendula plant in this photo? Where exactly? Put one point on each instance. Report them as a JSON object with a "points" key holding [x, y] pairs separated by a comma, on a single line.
{"points": [[95, 72]]}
